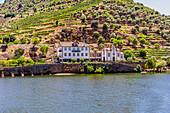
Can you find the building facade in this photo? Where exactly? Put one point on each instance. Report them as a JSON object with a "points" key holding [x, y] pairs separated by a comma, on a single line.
{"points": [[68, 50]]}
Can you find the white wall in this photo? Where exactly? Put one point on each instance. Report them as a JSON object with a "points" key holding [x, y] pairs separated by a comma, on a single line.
{"points": [[84, 51]]}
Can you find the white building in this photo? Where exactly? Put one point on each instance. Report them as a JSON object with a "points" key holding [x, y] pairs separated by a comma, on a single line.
{"points": [[68, 50], [112, 54]]}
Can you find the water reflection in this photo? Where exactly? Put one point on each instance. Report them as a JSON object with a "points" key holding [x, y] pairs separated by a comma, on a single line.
{"points": [[120, 93]]}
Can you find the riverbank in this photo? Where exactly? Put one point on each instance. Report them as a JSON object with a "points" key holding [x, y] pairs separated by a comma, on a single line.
{"points": [[48, 69]]}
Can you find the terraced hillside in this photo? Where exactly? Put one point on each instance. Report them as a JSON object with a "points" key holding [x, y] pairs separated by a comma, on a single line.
{"points": [[128, 25]]}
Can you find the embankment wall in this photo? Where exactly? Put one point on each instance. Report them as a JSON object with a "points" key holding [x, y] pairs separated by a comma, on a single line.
{"points": [[62, 68]]}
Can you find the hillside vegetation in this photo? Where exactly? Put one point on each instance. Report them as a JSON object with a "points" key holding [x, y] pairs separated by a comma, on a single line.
{"points": [[128, 25]]}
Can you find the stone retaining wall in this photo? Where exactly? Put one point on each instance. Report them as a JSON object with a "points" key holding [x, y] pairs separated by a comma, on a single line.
{"points": [[62, 68], [134, 64]]}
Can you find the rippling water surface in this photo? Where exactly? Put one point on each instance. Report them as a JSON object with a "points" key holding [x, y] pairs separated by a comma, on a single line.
{"points": [[118, 93]]}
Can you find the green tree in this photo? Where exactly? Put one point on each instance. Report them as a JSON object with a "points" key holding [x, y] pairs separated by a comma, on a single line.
{"points": [[18, 53], [21, 60], [160, 64], [35, 41], [23, 40], [128, 53], [129, 39], [143, 53], [151, 63], [44, 49], [143, 23], [119, 37], [105, 26], [138, 68], [156, 45], [34, 9], [6, 39], [83, 18], [120, 42], [145, 31], [100, 40], [16, 42], [133, 30], [90, 69], [96, 34], [142, 41], [135, 42]]}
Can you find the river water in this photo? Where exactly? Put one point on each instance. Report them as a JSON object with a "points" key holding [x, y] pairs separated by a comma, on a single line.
{"points": [[115, 93]]}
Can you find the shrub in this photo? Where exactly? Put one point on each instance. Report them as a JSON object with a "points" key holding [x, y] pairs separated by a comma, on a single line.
{"points": [[99, 70], [150, 64], [82, 70], [16, 42], [143, 53], [9, 15], [90, 69], [105, 26], [156, 45], [129, 39], [142, 41], [23, 40], [112, 35], [6, 39], [143, 23], [18, 53], [145, 31], [83, 18], [94, 24], [120, 42], [158, 31], [119, 37], [133, 30], [35, 40], [138, 68], [135, 41], [101, 45], [128, 53], [96, 34], [117, 26], [73, 59], [100, 40], [167, 44], [44, 49], [82, 59]]}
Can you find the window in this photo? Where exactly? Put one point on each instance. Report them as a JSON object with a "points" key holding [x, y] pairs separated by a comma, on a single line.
{"points": [[113, 54], [65, 48], [78, 48], [73, 48], [65, 54], [69, 48], [86, 48], [118, 55], [69, 54], [77, 54], [81, 54], [108, 54], [121, 57], [82, 48], [73, 54], [86, 54]]}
